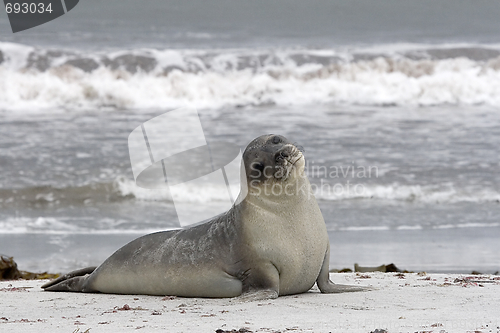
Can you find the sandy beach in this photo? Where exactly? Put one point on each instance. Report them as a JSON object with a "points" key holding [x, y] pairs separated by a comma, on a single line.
{"points": [[408, 302]]}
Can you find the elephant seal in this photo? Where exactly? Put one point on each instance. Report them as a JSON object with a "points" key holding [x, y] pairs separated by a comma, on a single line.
{"points": [[272, 242]]}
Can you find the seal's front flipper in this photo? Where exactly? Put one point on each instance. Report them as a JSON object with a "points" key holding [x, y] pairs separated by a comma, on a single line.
{"points": [[257, 295], [328, 287], [72, 281], [259, 283]]}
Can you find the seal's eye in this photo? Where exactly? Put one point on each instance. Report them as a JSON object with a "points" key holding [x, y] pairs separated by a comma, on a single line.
{"points": [[276, 140]]}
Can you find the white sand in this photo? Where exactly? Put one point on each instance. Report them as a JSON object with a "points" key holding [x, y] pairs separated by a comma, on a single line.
{"points": [[407, 303]]}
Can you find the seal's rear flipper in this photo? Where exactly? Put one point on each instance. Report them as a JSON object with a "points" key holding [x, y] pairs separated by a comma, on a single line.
{"points": [[72, 281]]}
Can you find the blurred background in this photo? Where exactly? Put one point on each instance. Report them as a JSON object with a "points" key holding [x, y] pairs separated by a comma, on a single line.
{"points": [[395, 102]]}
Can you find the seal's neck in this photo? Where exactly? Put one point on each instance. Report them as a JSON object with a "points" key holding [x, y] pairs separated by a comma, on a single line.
{"points": [[285, 195]]}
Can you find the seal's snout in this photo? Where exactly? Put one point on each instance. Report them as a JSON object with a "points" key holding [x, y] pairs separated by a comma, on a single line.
{"points": [[285, 160]]}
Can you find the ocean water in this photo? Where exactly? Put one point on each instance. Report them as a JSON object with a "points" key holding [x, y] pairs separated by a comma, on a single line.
{"points": [[396, 104]]}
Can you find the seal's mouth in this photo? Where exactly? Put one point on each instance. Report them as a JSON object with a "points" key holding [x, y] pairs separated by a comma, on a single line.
{"points": [[297, 157]]}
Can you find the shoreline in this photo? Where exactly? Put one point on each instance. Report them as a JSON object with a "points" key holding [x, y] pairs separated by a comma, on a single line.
{"points": [[402, 302], [9, 270], [421, 250]]}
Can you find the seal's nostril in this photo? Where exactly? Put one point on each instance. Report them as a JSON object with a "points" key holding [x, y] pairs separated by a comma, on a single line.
{"points": [[281, 155]]}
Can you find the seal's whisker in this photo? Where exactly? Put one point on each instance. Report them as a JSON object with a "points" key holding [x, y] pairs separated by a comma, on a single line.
{"points": [[299, 147]]}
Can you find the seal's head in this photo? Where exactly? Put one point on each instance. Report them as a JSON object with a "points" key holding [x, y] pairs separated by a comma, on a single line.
{"points": [[272, 159]]}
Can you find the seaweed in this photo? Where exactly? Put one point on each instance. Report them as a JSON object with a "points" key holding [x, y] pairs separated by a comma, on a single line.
{"points": [[9, 271]]}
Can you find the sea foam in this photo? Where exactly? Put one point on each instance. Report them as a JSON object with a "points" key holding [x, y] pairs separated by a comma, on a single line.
{"points": [[43, 79]]}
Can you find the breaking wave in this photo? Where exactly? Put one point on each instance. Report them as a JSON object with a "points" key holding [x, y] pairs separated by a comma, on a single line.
{"points": [[66, 225], [46, 79], [123, 189]]}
